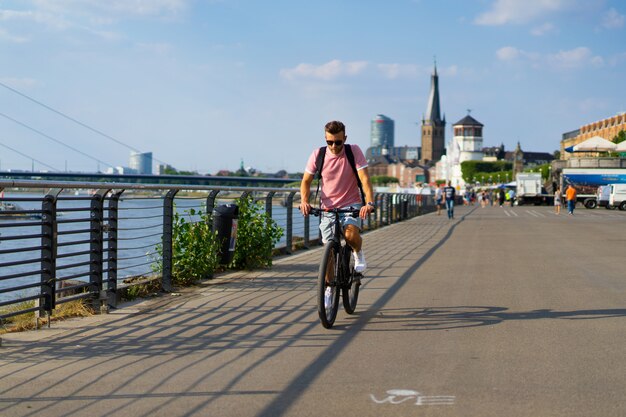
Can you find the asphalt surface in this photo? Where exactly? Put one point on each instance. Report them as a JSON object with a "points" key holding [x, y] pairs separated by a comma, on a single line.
{"points": [[498, 312]]}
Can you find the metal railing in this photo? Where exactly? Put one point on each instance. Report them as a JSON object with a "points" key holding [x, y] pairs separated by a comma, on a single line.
{"points": [[63, 241]]}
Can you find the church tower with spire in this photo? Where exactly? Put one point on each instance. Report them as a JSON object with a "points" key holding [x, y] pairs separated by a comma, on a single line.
{"points": [[433, 126]]}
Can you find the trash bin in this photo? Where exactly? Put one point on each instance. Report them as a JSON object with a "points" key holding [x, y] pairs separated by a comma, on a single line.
{"points": [[225, 224], [404, 209]]}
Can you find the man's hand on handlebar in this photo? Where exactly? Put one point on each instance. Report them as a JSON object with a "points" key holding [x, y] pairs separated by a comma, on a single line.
{"points": [[305, 209], [365, 210]]}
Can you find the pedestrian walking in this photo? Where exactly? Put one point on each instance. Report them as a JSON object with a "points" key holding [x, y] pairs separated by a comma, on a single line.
{"points": [[449, 193], [557, 201], [438, 198], [570, 194]]}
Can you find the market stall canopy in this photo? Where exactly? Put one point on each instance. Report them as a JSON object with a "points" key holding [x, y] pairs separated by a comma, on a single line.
{"points": [[621, 147], [595, 144]]}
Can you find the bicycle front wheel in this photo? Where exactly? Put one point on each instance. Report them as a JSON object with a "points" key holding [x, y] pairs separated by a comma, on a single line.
{"points": [[350, 292], [327, 290]]}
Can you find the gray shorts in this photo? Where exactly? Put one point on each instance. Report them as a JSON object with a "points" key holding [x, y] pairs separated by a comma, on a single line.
{"points": [[345, 219]]}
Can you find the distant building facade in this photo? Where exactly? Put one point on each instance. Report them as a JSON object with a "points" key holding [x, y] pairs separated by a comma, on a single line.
{"points": [[399, 152], [141, 162], [382, 132], [433, 125], [466, 145], [606, 128]]}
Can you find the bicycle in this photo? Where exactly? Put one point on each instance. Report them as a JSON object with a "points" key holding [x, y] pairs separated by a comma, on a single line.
{"points": [[336, 272]]}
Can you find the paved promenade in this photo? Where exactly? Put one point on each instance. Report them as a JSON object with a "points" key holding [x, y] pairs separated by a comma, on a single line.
{"points": [[498, 312]]}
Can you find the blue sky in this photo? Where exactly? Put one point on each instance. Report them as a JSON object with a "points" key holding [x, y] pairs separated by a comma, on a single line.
{"points": [[204, 84]]}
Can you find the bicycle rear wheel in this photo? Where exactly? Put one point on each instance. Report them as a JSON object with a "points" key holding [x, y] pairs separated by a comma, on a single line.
{"points": [[350, 292], [327, 306]]}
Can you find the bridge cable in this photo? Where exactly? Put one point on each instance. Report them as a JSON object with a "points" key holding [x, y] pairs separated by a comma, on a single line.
{"points": [[29, 157], [54, 139], [74, 120]]}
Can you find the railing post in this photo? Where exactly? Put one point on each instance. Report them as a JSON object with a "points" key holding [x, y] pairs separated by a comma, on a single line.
{"points": [[111, 229], [48, 253], [269, 206], [377, 211], [168, 227], [389, 201], [210, 203], [268, 203], [96, 247], [289, 231]]}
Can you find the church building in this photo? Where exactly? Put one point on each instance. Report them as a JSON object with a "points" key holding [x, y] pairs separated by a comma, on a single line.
{"points": [[433, 125]]}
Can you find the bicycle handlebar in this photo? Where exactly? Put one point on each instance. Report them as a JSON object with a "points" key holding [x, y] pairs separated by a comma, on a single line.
{"points": [[318, 211]]}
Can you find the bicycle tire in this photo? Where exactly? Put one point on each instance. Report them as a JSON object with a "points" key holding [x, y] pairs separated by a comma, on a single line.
{"points": [[328, 265], [350, 292]]}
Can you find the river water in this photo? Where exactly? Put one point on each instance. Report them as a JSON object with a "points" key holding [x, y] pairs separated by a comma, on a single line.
{"points": [[140, 229]]}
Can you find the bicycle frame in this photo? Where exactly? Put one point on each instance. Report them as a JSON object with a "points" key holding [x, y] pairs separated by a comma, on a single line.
{"points": [[336, 265]]}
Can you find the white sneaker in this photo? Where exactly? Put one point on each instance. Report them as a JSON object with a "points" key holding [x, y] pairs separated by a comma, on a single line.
{"points": [[328, 297], [359, 262]]}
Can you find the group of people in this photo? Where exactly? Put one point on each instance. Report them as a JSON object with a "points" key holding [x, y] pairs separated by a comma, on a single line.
{"points": [[447, 194], [570, 197]]}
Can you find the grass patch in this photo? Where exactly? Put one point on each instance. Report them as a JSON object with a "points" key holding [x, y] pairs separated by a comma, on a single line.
{"points": [[26, 321], [140, 287]]}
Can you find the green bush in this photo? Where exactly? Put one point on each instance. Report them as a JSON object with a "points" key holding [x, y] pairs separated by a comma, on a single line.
{"points": [[383, 180], [194, 247], [257, 234]]}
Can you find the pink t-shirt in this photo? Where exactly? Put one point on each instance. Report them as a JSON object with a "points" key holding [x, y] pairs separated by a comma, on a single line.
{"points": [[339, 186]]}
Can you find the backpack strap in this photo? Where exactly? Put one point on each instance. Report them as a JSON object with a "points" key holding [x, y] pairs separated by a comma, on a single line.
{"points": [[319, 165], [350, 157]]}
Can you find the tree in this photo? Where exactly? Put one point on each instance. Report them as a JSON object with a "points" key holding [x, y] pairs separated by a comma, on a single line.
{"points": [[383, 180], [472, 170]]}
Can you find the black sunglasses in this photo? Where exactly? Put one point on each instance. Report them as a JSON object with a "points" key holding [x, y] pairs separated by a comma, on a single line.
{"points": [[334, 142]]}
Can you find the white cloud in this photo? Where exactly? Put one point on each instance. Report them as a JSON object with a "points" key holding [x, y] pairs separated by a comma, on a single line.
{"points": [[613, 20], [394, 71], [520, 11], [6, 36], [575, 58], [507, 53], [542, 29], [570, 59], [120, 8], [19, 83], [328, 71]]}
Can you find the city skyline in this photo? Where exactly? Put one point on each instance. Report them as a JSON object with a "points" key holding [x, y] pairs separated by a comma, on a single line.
{"points": [[204, 84]]}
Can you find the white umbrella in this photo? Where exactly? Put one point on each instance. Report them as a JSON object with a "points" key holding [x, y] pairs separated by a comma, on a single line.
{"points": [[595, 144], [621, 147]]}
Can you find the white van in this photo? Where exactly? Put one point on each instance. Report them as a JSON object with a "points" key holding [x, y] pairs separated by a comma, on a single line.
{"points": [[617, 196], [602, 196]]}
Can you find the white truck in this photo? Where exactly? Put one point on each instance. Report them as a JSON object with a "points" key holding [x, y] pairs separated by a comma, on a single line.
{"points": [[587, 180], [529, 188]]}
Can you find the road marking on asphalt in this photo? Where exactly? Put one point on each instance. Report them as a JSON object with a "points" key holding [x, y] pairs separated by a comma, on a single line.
{"points": [[400, 396], [535, 213], [511, 213]]}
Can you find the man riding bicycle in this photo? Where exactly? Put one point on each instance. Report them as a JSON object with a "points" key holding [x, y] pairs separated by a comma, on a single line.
{"points": [[340, 187]]}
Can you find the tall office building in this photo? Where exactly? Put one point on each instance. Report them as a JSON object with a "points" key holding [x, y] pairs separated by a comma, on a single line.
{"points": [[141, 163], [382, 132], [433, 126]]}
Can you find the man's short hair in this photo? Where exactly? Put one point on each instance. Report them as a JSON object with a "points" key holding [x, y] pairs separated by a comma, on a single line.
{"points": [[335, 127]]}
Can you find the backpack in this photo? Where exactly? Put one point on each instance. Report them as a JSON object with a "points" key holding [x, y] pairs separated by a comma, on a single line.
{"points": [[319, 164]]}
